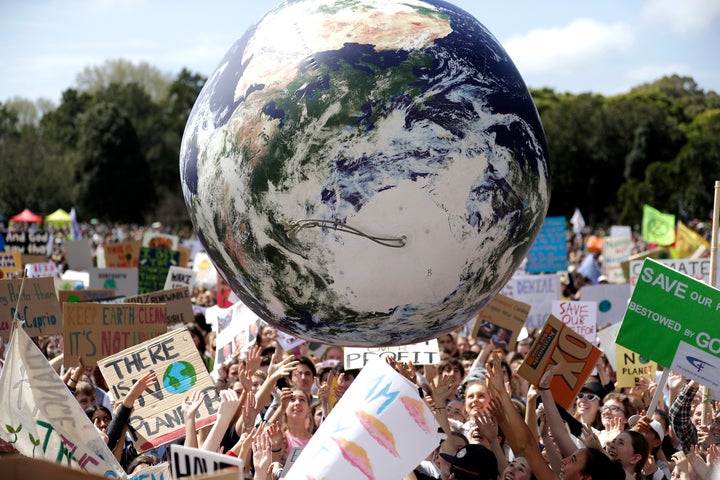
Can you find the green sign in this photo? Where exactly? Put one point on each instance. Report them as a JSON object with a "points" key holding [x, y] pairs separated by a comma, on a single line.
{"points": [[675, 320]]}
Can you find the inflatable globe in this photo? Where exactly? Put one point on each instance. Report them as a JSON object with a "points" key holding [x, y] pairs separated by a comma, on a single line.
{"points": [[365, 173]]}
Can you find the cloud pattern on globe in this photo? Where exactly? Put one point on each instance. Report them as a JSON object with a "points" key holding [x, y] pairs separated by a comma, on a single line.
{"points": [[405, 121]]}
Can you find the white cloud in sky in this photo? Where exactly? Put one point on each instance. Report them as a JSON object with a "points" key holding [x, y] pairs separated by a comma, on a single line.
{"points": [[579, 43], [683, 17]]}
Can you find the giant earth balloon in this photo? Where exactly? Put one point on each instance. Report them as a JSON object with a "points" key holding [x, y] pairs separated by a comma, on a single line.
{"points": [[366, 172]]}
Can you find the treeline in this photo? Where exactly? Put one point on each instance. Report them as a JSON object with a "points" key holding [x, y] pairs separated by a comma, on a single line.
{"points": [[111, 149]]}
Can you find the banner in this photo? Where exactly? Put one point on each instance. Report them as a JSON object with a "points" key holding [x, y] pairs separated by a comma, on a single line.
{"points": [[673, 319], [580, 316], [549, 251], [423, 353], [37, 306], [657, 227], [191, 462], [95, 330], [28, 243], [154, 266], [177, 300], [688, 241], [123, 280], [122, 254], [41, 418], [380, 428], [501, 320], [558, 344], [157, 418], [611, 302], [538, 291]]}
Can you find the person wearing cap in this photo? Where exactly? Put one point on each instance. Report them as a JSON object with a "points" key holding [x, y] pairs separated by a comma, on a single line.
{"points": [[656, 467], [472, 462], [587, 405]]}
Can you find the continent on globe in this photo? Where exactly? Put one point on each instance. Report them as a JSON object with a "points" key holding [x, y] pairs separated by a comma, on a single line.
{"points": [[366, 173]]}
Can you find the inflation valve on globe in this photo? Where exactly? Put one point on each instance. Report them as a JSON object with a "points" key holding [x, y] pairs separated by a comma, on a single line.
{"points": [[293, 228]]}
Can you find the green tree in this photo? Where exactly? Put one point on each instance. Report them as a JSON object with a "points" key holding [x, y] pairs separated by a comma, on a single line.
{"points": [[112, 180], [122, 72]]}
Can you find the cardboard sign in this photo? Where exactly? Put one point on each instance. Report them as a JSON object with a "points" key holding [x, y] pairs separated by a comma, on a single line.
{"points": [[84, 295], [78, 254], [672, 318], [157, 417], [44, 269], [179, 305], [123, 280], [10, 265], [180, 277], [191, 462], [616, 249], [631, 367], [37, 306], [153, 268], [557, 343], [501, 321], [606, 342], [611, 302], [549, 251], [697, 268], [538, 291], [423, 353], [581, 317], [380, 428], [95, 330], [42, 419], [122, 254]]}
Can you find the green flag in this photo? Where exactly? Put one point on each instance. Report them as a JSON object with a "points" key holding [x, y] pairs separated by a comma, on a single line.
{"points": [[658, 227]]}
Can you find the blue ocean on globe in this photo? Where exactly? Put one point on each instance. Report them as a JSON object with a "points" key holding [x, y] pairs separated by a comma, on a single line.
{"points": [[366, 173], [179, 377]]}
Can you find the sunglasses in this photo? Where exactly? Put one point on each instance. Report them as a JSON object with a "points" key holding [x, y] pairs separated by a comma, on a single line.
{"points": [[588, 396]]}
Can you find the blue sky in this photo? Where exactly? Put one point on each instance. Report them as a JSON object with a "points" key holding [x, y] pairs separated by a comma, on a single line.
{"points": [[574, 46]]}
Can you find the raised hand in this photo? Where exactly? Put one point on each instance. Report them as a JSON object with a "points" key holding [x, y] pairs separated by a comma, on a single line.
{"points": [[191, 404]]}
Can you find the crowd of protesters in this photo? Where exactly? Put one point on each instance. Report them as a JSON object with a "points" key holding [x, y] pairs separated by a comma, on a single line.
{"points": [[495, 424]]}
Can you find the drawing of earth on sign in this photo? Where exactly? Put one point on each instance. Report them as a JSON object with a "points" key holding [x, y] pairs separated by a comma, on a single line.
{"points": [[179, 377], [110, 283]]}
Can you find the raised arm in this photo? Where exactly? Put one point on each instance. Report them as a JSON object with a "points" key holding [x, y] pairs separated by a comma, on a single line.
{"points": [[552, 414]]}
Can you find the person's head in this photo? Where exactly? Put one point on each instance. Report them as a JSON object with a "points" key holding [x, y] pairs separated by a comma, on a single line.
{"points": [[299, 406], [85, 394], [591, 464], [697, 415], [198, 336], [631, 449], [455, 410], [472, 462], [333, 352], [477, 397], [211, 342], [303, 375], [99, 416], [616, 405], [447, 342], [518, 469], [523, 346], [462, 344], [452, 367], [141, 462], [257, 379], [317, 415], [475, 435], [467, 359], [587, 405], [449, 446]]}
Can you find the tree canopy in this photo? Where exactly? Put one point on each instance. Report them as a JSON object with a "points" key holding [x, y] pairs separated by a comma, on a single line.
{"points": [[111, 148]]}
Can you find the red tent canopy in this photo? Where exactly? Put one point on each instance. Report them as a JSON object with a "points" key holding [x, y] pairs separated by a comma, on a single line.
{"points": [[27, 216]]}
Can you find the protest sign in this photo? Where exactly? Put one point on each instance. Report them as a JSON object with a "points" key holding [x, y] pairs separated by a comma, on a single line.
{"points": [[178, 301], [423, 353], [180, 277], [549, 251], [78, 254], [206, 272], [697, 268], [10, 265], [616, 249], [123, 280], [43, 269], [240, 331], [538, 291], [287, 341], [688, 241], [581, 317], [122, 254], [85, 295], [165, 241], [192, 462], [157, 418], [501, 320], [611, 302], [672, 318], [606, 342], [16, 467], [558, 344], [161, 471], [37, 306], [27, 243], [154, 266], [380, 428], [41, 418], [95, 330], [631, 367], [657, 227]]}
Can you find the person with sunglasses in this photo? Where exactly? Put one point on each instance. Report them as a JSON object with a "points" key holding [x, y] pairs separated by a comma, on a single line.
{"points": [[587, 405]]}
